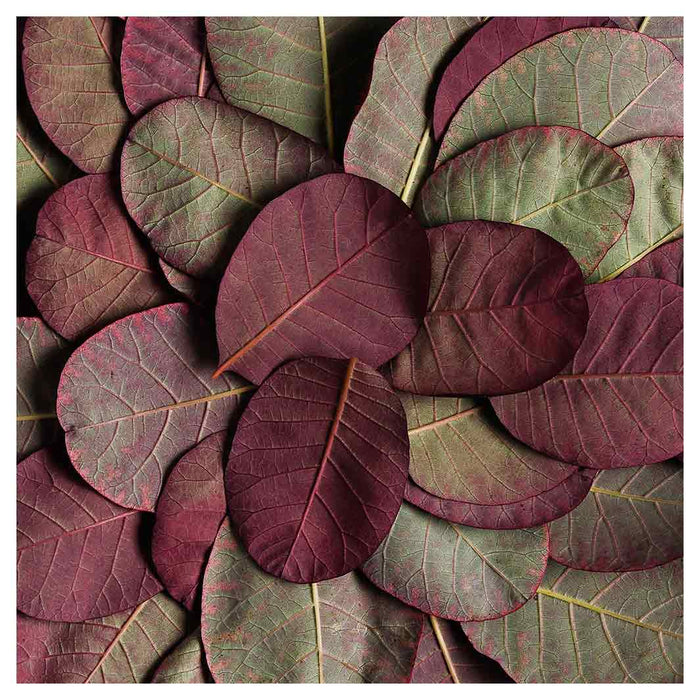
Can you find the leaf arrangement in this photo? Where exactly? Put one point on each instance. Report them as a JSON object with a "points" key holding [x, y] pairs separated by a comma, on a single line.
{"points": [[350, 350]]}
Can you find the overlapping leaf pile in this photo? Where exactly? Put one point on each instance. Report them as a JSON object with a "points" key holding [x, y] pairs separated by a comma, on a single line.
{"points": [[441, 262]]}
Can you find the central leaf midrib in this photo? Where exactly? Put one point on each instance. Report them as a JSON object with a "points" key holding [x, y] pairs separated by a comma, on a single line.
{"points": [[633, 497]]}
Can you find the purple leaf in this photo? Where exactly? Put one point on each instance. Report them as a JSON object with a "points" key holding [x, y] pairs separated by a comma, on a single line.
{"points": [[336, 267], [318, 468], [664, 263], [619, 403]]}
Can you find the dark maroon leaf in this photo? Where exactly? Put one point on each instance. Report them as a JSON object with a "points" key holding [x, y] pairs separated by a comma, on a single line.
{"points": [[664, 263], [619, 403], [317, 468], [336, 267], [188, 514], [79, 556], [506, 312]]}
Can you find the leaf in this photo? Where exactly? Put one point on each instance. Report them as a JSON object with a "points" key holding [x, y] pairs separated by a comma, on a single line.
{"points": [[87, 266], [656, 168], [631, 519], [506, 312], [664, 263], [162, 58], [457, 572], [667, 30], [557, 180], [317, 468], [78, 555], [261, 629], [493, 44], [593, 628], [71, 70], [196, 172], [195, 291], [137, 395], [619, 403], [190, 509], [389, 140], [336, 267], [41, 355], [613, 84], [121, 648], [185, 663]]}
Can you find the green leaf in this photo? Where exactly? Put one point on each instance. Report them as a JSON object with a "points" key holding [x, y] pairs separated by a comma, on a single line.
{"points": [[185, 663]]}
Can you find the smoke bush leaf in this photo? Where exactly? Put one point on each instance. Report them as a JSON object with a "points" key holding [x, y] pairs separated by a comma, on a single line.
{"points": [[667, 30], [336, 267], [664, 263], [619, 403], [196, 291], [138, 394], [185, 663], [317, 468], [557, 180]]}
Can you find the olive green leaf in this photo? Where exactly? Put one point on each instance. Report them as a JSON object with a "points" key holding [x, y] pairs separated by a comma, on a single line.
{"points": [[185, 663]]}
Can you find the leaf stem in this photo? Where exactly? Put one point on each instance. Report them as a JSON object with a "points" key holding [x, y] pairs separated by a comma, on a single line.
{"points": [[443, 649], [326, 86], [319, 640]]}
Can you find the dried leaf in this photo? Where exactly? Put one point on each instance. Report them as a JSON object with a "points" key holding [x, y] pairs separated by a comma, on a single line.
{"points": [[185, 663], [664, 263]]}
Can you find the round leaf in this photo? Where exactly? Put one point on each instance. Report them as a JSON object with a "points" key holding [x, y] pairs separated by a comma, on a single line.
{"points": [[663, 263]]}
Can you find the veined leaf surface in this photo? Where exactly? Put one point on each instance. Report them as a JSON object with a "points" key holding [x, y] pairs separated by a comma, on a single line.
{"points": [[664, 263], [185, 663], [667, 30]]}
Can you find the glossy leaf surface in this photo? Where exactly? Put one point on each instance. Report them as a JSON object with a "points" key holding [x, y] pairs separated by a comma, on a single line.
{"points": [[336, 267], [506, 312], [619, 403], [667, 30], [196, 172], [317, 468], [557, 180], [71, 70], [592, 627], [260, 629], [185, 663], [664, 263], [457, 572], [138, 394]]}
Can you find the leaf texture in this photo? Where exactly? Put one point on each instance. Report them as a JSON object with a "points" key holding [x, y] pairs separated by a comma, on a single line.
{"points": [[506, 312], [196, 172], [189, 511], [137, 395], [336, 267], [457, 572], [619, 403], [71, 71], [614, 85], [557, 180], [664, 263], [121, 648], [592, 628], [260, 629], [78, 555], [185, 663], [667, 30], [631, 519], [317, 468]]}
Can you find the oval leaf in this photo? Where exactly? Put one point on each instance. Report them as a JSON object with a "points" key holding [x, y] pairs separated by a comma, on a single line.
{"points": [[185, 663], [317, 468], [557, 180], [196, 172], [71, 70], [592, 628], [506, 312], [137, 395], [615, 85], [457, 572], [188, 514], [340, 631], [336, 267], [619, 403], [664, 263]]}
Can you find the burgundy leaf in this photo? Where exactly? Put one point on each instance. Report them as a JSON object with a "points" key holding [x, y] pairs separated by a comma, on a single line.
{"points": [[137, 395], [664, 263], [317, 468], [188, 514], [336, 267], [162, 58], [200, 292], [619, 403], [79, 556], [506, 312], [87, 266]]}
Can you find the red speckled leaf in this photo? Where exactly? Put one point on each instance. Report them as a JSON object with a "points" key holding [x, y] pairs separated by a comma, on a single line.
{"points": [[619, 403], [664, 263], [631, 519], [87, 265], [317, 468], [493, 44], [188, 514], [162, 58], [71, 70], [185, 663], [200, 292], [79, 556], [137, 395], [336, 267], [506, 312]]}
